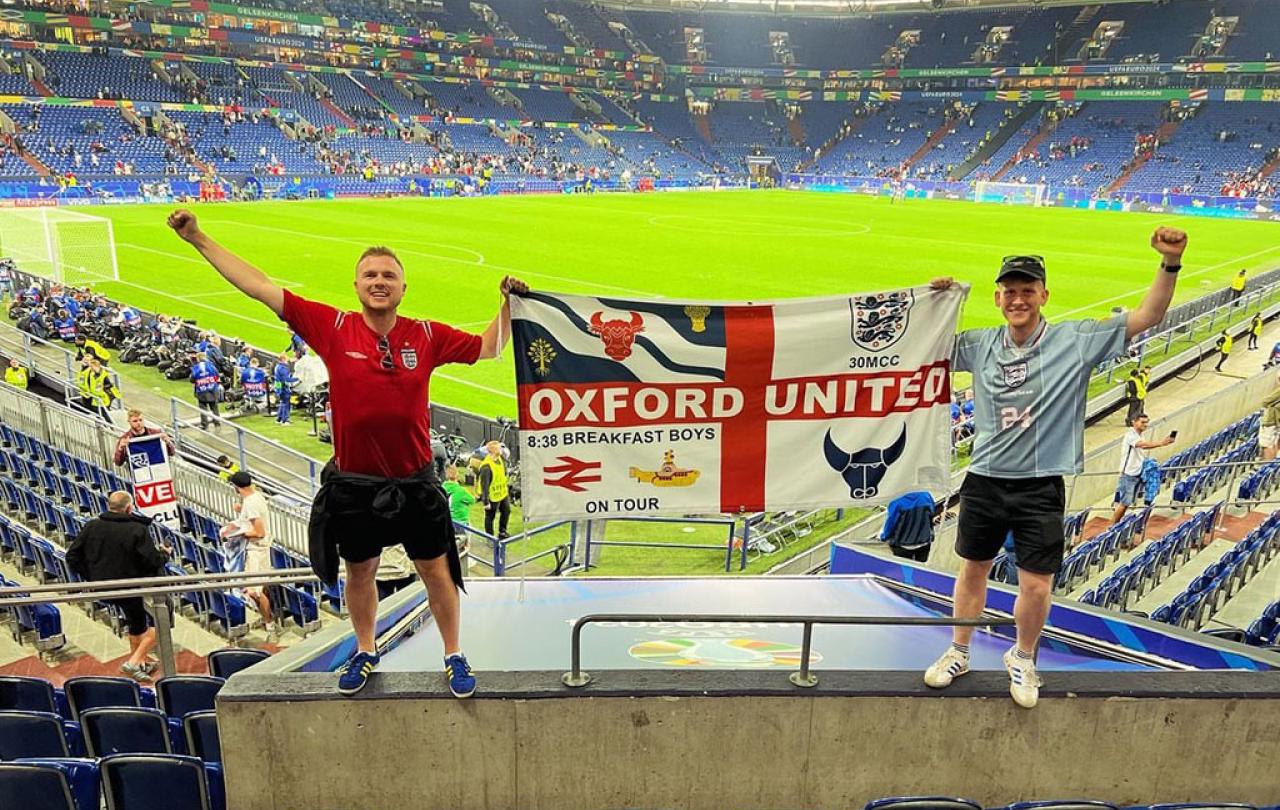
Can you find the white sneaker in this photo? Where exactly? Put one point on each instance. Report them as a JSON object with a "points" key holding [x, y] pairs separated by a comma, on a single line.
{"points": [[946, 669], [1024, 682]]}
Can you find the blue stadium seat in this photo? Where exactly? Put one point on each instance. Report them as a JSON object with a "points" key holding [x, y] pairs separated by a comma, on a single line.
{"points": [[125, 731], [32, 734], [202, 736], [1069, 804], [31, 695], [144, 781], [96, 692], [179, 695], [226, 662], [50, 784]]}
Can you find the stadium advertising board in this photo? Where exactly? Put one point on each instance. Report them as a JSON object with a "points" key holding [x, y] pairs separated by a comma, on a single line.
{"points": [[669, 407]]}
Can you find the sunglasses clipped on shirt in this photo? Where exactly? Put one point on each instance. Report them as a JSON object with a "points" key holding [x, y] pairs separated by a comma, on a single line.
{"points": [[384, 348]]}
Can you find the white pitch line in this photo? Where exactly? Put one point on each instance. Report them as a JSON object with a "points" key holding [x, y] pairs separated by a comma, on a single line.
{"points": [[1199, 272], [283, 282], [514, 270]]}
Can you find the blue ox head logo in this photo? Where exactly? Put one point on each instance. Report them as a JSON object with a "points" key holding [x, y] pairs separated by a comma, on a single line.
{"points": [[864, 469]]}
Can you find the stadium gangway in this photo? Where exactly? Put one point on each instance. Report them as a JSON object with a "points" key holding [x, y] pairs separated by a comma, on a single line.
{"points": [[51, 361], [156, 591], [575, 678], [289, 470]]}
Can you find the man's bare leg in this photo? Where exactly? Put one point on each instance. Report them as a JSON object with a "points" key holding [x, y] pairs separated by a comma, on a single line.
{"points": [[141, 645], [1032, 608], [970, 596], [442, 595], [362, 602]]}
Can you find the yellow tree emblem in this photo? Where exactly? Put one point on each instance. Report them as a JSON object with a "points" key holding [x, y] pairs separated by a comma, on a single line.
{"points": [[698, 317], [541, 353]]}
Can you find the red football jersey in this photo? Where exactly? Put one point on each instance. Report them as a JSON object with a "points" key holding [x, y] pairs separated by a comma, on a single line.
{"points": [[381, 422]]}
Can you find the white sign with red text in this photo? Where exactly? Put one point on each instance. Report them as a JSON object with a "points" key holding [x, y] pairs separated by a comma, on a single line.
{"points": [[154, 494]]}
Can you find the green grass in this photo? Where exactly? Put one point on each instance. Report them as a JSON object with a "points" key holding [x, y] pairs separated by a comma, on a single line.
{"points": [[731, 245]]}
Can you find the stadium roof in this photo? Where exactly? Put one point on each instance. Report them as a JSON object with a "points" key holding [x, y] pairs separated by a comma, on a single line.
{"points": [[840, 8]]}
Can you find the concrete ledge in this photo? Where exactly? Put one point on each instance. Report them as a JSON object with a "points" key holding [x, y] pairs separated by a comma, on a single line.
{"points": [[744, 740]]}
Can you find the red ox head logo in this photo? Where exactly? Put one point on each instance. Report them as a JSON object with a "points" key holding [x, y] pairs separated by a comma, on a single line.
{"points": [[617, 334]]}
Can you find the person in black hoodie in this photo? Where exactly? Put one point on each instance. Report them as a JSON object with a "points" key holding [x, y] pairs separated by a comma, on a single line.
{"points": [[118, 545]]}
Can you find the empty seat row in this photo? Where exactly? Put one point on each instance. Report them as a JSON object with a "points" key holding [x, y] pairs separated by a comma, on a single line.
{"points": [[1154, 563], [124, 781]]}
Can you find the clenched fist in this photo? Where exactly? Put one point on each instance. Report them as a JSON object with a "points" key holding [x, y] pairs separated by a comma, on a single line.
{"points": [[1169, 243], [511, 284], [184, 224]]}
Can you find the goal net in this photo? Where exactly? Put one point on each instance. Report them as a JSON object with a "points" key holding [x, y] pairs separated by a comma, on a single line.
{"points": [[66, 246], [1011, 193]]}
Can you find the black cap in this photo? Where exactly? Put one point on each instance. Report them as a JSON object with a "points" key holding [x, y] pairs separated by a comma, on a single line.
{"points": [[1031, 267], [240, 479]]}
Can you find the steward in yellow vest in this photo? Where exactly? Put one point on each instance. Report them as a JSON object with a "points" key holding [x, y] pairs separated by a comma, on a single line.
{"points": [[494, 491], [16, 374]]}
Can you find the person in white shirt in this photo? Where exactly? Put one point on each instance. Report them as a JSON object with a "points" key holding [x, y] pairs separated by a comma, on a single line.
{"points": [[251, 524], [1133, 452]]}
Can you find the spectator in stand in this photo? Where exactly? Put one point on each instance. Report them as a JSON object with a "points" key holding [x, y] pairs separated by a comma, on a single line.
{"points": [[1133, 452], [250, 524], [137, 429], [1269, 425], [460, 498], [1223, 345], [16, 374], [1255, 331], [118, 545], [208, 390]]}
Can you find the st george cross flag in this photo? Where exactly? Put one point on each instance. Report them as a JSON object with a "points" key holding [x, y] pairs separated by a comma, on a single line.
{"points": [[665, 407]]}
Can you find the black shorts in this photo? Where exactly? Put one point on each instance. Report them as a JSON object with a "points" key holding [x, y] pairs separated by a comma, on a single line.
{"points": [[423, 525], [1031, 508], [135, 614]]}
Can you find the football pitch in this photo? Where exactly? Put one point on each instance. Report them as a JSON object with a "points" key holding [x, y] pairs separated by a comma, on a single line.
{"points": [[726, 246]]}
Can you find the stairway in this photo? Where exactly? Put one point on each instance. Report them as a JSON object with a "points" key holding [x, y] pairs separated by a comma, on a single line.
{"points": [[1270, 169], [855, 124], [36, 165], [41, 87], [1163, 135], [947, 127], [1072, 32], [702, 123], [1031, 145], [795, 129], [1007, 129], [337, 112]]}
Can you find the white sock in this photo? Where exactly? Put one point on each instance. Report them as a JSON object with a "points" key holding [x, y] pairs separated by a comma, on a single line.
{"points": [[448, 655]]}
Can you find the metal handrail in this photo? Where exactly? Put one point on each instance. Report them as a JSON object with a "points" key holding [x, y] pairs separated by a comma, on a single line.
{"points": [[576, 678]]}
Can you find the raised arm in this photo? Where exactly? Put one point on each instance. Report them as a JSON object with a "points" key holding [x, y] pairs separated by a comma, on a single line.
{"points": [[1169, 243], [245, 277], [495, 337]]}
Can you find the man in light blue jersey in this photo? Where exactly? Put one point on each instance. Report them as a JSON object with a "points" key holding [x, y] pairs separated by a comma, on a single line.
{"points": [[1030, 382]]}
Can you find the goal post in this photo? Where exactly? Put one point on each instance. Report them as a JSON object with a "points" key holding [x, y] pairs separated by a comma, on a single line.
{"points": [[59, 244], [1011, 193]]}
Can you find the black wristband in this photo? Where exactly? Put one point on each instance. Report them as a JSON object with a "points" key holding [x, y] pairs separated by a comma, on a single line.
{"points": [[1171, 268]]}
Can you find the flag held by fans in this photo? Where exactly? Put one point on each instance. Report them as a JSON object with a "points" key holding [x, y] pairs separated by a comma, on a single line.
{"points": [[690, 407]]}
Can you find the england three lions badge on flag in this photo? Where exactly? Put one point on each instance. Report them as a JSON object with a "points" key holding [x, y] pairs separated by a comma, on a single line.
{"points": [[880, 320]]}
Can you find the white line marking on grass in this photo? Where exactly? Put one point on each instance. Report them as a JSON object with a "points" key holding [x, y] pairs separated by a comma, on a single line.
{"points": [[502, 268], [283, 282], [1199, 272]]}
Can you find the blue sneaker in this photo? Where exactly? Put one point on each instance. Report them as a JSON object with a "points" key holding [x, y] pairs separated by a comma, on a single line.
{"points": [[461, 682], [356, 672]]}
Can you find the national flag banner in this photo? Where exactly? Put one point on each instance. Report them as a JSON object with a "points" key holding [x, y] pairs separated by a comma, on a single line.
{"points": [[692, 407]]}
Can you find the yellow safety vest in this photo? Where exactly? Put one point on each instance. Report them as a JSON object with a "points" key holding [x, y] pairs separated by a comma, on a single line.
{"points": [[226, 474], [498, 485], [1237, 283], [1256, 328], [93, 387], [1140, 386], [1227, 343], [17, 377]]}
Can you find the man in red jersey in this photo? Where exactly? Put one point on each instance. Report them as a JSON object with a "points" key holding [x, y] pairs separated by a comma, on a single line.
{"points": [[380, 488]]}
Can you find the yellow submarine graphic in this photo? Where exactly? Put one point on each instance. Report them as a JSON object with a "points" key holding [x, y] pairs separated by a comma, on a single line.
{"points": [[667, 475]]}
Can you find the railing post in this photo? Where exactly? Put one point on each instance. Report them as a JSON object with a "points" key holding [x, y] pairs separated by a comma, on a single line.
{"points": [[804, 678], [244, 464], [746, 542], [499, 557], [573, 544], [586, 555], [164, 633]]}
